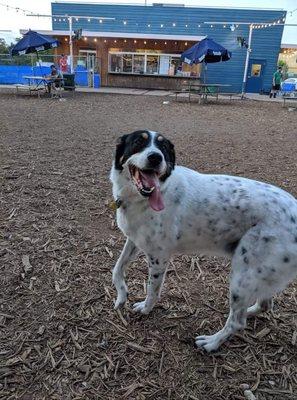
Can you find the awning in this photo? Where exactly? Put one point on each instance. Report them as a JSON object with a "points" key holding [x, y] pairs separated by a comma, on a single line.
{"points": [[133, 35]]}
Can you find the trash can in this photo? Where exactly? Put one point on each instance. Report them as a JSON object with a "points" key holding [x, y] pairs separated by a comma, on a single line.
{"points": [[96, 81], [69, 83]]}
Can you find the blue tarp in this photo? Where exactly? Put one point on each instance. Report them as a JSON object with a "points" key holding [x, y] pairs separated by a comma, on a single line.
{"points": [[13, 74]]}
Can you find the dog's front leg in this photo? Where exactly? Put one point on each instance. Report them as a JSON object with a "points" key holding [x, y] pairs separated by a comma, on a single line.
{"points": [[157, 270], [129, 252]]}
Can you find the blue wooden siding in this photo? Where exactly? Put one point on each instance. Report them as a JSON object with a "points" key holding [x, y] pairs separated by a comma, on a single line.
{"points": [[265, 43]]}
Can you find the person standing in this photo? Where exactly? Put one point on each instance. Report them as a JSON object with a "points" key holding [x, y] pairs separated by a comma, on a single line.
{"points": [[63, 64], [276, 82]]}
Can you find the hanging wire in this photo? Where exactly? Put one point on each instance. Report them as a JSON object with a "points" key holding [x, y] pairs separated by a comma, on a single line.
{"points": [[16, 9]]}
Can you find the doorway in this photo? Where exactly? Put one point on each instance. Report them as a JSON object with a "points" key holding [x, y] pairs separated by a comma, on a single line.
{"points": [[255, 75], [88, 64]]}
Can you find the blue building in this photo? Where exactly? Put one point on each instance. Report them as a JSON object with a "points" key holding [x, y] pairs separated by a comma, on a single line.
{"points": [[140, 46]]}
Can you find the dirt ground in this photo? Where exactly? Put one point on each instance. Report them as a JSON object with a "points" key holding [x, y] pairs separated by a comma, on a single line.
{"points": [[60, 338]]}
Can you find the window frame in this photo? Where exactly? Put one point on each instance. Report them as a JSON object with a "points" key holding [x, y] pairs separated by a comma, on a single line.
{"points": [[145, 54]]}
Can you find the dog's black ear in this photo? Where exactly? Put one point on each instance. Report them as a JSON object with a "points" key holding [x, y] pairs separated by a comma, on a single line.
{"points": [[121, 143], [169, 155], [171, 152]]}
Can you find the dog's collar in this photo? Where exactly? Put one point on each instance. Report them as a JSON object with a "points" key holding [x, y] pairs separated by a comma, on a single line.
{"points": [[114, 205]]}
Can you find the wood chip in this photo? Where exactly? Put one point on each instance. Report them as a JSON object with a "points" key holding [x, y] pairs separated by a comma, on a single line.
{"points": [[137, 347], [26, 264]]}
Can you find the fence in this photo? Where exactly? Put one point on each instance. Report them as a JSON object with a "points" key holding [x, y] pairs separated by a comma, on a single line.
{"points": [[13, 69]]}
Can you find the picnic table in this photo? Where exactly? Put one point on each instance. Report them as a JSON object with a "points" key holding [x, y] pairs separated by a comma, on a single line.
{"points": [[37, 84], [202, 90]]}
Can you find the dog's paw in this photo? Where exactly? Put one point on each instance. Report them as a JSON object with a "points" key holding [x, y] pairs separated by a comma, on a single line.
{"points": [[141, 308], [208, 343], [121, 299]]}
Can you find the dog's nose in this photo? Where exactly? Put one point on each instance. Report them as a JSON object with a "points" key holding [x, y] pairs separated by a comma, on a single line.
{"points": [[154, 159]]}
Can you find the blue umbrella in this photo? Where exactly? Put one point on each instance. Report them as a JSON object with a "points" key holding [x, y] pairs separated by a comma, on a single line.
{"points": [[206, 51], [33, 42]]}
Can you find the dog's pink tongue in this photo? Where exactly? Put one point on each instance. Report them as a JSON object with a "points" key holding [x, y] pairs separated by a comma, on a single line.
{"points": [[155, 199]]}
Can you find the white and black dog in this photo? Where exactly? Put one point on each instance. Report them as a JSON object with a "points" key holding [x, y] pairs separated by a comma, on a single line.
{"points": [[165, 209]]}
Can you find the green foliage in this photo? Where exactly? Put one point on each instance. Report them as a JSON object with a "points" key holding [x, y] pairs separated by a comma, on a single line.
{"points": [[285, 68], [3, 47]]}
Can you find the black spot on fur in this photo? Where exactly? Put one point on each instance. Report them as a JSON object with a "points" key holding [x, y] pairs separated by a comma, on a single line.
{"points": [[295, 239], [293, 220], [243, 251], [259, 270], [272, 270], [237, 207], [178, 236], [246, 260], [266, 239], [157, 262], [286, 259], [235, 297], [156, 276]]}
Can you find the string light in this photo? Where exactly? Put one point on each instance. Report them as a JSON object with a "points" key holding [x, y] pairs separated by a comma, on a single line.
{"points": [[85, 38], [174, 24], [135, 41], [144, 42], [105, 40], [125, 22], [16, 9], [115, 41], [95, 40], [161, 25], [125, 41], [100, 21], [149, 25]]}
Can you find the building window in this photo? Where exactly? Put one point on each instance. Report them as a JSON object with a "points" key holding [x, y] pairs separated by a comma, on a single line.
{"points": [[148, 63], [152, 65], [138, 64], [256, 69], [116, 63], [127, 63]]}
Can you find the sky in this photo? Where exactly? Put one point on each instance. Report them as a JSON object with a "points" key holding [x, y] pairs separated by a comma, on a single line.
{"points": [[14, 21]]}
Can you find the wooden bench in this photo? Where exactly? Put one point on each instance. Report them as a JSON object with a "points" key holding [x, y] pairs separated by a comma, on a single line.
{"points": [[288, 98], [29, 89], [231, 96]]}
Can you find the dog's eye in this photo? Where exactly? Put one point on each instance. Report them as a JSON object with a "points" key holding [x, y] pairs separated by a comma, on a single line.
{"points": [[140, 140]]}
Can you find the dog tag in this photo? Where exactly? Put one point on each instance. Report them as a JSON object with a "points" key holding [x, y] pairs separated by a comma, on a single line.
{"points": [[114, 205]]}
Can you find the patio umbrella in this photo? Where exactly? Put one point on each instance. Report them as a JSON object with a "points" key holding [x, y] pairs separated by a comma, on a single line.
{"points": [[206, 51], [32, 42]]}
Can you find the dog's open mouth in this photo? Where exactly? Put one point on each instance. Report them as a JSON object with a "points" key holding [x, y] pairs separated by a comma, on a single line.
{"points": [[148, 184]]}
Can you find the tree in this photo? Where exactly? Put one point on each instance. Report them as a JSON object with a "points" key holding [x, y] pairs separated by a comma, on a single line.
{"points": [[3, 47]]}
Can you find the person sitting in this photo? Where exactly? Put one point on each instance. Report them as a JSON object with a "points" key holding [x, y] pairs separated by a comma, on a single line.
{"points": [[56, 79]]}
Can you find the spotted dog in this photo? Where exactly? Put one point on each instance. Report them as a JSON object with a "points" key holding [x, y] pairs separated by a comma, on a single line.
{"points": [[164, 209]]}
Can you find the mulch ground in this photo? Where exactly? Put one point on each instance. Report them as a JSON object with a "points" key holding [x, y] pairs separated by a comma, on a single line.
{"points": [[60, 338]]}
